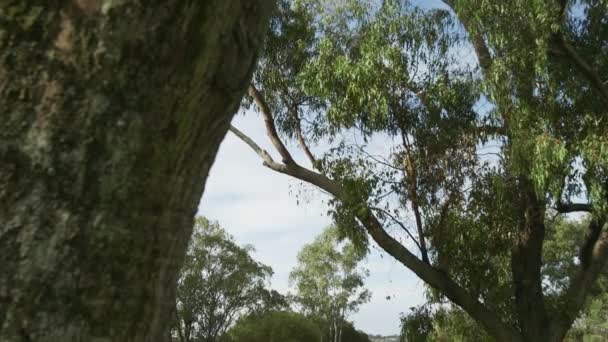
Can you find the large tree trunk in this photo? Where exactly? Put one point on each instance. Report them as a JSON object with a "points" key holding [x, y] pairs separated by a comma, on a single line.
{"points": [[111, 113]]}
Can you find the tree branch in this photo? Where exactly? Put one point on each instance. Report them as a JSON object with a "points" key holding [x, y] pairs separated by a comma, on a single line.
{"points": [[565, 208], [432, 276], [479, 45], [301, 141], [565, 49], [583, 67], [594, 258], [491, 130], [255, 147], [394, 219], [377, 160], [271, 129]]}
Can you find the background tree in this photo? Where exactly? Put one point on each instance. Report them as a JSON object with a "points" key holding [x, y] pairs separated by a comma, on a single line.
{"points": [[111, 113], [491, 119], [328, 281], [417, 324], [271, 300], [218, 283]]}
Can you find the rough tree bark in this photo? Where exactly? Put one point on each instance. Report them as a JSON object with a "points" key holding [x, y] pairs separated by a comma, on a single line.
{"points": [[111, 113]]}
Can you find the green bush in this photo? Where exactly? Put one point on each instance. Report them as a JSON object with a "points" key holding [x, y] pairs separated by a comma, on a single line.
{"points": [[274, 326], [350, 334]]}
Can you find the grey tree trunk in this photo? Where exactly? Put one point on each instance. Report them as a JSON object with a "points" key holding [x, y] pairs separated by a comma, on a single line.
{"points": [[111, 113]]}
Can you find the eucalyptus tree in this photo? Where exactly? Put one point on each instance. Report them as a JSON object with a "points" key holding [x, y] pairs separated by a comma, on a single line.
{"points": [[218, 283], [111, 113], [328, 281], [492, 119]]}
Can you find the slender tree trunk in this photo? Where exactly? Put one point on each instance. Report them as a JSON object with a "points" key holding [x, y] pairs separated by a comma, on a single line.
{"points": [[188, 331], [111, 113], [526, 263], [339, 333]]}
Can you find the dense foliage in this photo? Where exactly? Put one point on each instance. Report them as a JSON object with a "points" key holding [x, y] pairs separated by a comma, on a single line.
{"points": [[444, 324], [286, 326], [274, 326], [417, 324], [351, 334], [454, 136]]}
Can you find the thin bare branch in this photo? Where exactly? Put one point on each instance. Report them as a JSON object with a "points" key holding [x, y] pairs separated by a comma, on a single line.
{"points": [[399, 223], [385, 195], [294, 170], [258, 150], [377, 159], [301, 141]]}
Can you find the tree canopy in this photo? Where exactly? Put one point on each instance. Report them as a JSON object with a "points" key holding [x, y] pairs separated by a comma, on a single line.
{"points": [[488, 134]]}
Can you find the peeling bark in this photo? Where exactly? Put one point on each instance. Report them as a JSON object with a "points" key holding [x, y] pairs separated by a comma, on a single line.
{"points": [[111, 116]]}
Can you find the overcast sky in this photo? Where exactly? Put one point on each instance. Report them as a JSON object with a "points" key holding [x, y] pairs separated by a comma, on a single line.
{"points": [[260, 207]]}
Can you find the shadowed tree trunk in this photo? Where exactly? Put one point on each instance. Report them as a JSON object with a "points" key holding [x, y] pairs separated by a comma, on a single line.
{"points": [[111, 113]]}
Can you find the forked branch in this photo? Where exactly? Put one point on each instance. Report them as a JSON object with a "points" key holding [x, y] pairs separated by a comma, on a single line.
{"points": [[594, 259], [432, 276]]}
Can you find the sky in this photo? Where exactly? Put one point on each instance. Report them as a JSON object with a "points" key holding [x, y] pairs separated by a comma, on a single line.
{"points": [[278, 215]]}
